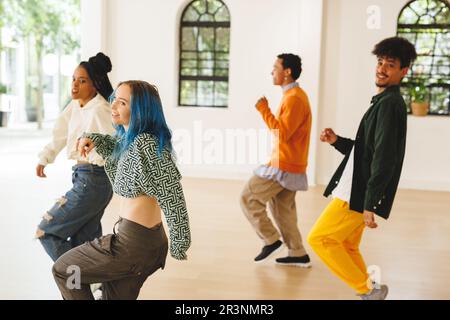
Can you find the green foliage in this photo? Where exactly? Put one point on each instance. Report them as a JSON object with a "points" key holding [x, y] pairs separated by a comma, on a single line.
{"points": [[419, 92], [44, 26], [3, 88], [49, 23]]}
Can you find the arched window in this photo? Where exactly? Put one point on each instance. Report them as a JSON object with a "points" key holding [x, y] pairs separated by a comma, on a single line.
{"points": [[204, 54], [426, 23]]}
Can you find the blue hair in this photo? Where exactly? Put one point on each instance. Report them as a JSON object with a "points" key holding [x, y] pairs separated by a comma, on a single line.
{"points": [[146, 116]]}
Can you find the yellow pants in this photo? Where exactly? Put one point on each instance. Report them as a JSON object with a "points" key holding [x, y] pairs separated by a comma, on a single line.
{"points": [[335, 238]]}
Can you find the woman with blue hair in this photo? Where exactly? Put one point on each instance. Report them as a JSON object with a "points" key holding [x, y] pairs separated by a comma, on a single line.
{"points": [[143, 174]]}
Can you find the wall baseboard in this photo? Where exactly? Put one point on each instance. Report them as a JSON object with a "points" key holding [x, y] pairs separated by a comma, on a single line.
{"points": [[413, 184], [214, 173], [236, 173], [232, 173], [424, 185]]}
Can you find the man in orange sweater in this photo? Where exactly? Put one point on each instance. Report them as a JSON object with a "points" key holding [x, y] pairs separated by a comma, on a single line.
{"points": [[277, 182]]}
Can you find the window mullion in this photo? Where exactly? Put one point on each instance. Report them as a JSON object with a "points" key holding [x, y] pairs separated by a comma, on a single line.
{"points": [[191, 81]]}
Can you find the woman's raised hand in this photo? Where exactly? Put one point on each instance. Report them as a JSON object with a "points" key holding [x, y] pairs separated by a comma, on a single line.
{"points": [[84, 146]]}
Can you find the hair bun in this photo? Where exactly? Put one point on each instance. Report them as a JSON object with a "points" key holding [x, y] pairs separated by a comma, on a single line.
{"points": [[100, 63]]}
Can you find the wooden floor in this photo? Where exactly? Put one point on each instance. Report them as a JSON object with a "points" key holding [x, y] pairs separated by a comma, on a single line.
{"points": [[412, 248]]}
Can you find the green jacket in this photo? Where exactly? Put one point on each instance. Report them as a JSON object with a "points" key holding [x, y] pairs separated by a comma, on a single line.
{"points": [[378, 156]]}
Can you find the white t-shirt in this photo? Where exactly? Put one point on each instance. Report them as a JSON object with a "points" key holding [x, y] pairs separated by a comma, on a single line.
{"points": [[344, 187], [94, 117]]}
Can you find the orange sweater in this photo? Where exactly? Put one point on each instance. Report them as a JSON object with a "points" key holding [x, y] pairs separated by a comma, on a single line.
{"points": [[293, 125]]}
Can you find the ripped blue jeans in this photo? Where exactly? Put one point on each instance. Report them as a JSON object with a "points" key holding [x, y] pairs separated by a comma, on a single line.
{"points": [[75, 217]]}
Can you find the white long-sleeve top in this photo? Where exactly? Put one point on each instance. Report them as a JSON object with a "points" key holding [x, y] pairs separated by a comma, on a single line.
{"points": [[94, 117], [344, 188]]}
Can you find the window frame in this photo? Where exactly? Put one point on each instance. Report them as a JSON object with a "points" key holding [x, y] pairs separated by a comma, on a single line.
{"points": [[415, 29], [214, 78]]}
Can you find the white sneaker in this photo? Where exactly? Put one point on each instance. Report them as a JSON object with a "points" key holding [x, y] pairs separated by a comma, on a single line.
{"points": [[376, 294], [96, 289]]}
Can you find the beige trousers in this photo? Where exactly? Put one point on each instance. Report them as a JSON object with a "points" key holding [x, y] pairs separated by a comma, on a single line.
{"points": [[254, 198]]}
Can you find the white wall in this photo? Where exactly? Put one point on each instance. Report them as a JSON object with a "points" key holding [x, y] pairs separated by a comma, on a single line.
{"points": [[348, 84], [142, 41], [93, 27], [141, 36]]}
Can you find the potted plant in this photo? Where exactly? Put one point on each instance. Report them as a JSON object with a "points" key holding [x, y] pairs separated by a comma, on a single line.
{"points": [[3, 113], [419, 98]]}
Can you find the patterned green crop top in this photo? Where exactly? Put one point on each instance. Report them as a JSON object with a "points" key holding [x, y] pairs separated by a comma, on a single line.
{"points": [[141, 171]]}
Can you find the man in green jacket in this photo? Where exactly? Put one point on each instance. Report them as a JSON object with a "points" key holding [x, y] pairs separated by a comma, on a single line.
{"points": [[365, 183]]}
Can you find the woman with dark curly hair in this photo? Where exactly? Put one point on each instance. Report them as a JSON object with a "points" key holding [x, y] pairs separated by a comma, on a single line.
{"points": [[75, 217]]}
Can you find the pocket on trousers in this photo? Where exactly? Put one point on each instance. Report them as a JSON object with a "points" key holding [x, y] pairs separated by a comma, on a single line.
{"points": [[105, 244], [151, 263], [258, 185], [79, 184], [96, 180]]}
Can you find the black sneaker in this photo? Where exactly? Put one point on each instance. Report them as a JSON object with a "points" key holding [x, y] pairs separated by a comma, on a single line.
{"points": [[268, 250], [303, 261]]}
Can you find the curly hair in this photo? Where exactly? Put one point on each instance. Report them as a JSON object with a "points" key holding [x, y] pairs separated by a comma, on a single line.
{"points": [[292, 62], [397, 48], [97, 68]]}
